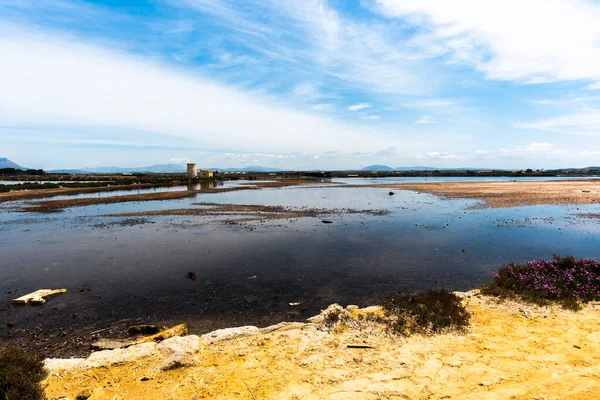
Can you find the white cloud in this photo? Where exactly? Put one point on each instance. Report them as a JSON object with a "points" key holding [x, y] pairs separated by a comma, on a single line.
{"points": [[577, 101], [307, 91], [535, 149], [49, 80], [358, 107], [179, 160], [437, 155], [587, 153], [532, 41], [586, 122], [371, 117], [431, 103], [321, 107], [442, 155], [532, 148], [424, 120], [484, 154]]}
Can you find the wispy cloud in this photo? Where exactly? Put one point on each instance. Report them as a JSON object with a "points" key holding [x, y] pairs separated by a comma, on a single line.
{"points": [[321, 107], [436, 155], [566, 101], [441, 155], [425, 120], [51, 81], [179, 160], [586, 122], [301, 78], [313, 37], [530, 148], [358, 107]]}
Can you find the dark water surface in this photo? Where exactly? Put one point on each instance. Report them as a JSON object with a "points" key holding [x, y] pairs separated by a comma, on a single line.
{"points": [[247, 274]]}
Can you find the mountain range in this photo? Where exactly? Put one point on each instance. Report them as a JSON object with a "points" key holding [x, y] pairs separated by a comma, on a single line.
{"points": [[181, 168], [6, 163], [378, 167], [158, 169]]}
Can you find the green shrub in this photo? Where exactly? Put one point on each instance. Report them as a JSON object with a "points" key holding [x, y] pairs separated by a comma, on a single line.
{"points": [[21, 374], [432, 311]]}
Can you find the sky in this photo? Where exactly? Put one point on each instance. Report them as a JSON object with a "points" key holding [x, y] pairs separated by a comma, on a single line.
{"points": [[300, 84]]}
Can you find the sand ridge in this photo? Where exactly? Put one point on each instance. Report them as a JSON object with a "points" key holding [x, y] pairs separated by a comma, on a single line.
{"points": [[511, 351], [512, 194]]}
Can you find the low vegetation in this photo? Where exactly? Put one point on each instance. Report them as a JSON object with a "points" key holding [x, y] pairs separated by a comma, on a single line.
{"points": [[432, 311], [21, 374], [49, 185], [565, 280]]}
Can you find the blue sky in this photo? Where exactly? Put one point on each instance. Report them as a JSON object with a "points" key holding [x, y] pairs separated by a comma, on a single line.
{"points": [[300, 84]]}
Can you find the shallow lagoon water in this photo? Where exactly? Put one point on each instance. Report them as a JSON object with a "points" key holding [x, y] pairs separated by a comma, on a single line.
{"points": [[139, 272]]}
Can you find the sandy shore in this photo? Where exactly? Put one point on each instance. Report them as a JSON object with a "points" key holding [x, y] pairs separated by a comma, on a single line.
{"points": [[512, 194], [510, 351]]}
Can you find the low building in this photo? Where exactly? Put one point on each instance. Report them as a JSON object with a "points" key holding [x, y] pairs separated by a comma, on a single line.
{"points": [[205, 173]]}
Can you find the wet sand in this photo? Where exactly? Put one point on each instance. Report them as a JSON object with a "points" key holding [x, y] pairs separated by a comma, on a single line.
{"points": [[238, 213], [512, 194], [511, 350]]}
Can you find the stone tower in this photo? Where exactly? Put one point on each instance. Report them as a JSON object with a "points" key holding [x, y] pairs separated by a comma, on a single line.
{"points": [[191, 171]]}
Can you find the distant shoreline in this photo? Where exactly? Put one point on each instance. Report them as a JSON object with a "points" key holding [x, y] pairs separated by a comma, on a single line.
{"points": [[512, 194]]}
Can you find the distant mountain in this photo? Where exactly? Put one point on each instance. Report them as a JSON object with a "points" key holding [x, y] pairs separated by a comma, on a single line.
{"points": [[251, 168], [417, 168], [158, 169], [423, 168], [6, 163], [377, 167]]}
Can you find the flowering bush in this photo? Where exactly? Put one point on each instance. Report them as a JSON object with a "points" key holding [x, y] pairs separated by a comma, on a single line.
{"points": [[563, 279]]}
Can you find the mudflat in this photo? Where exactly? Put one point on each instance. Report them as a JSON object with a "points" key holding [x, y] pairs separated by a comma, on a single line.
{"points": [[512, 194]]}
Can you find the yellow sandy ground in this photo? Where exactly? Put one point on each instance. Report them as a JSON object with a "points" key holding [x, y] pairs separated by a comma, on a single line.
{"points": [[513, 194], [511, 351]]}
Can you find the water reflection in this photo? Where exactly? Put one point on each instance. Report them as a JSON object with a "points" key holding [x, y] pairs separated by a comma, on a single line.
{"points": [[354, 260], [204, 185]]}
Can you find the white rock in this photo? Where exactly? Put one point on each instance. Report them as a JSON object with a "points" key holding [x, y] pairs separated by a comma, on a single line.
{"points": [[119, 356], [179, 351], [58, 365], [282, 326], [229, 333]]}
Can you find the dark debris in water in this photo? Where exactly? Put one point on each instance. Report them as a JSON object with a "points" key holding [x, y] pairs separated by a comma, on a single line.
{"points": [[124, 222]]}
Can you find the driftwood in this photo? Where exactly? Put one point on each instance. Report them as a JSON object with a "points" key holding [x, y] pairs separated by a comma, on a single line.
{"points": [[37, 297], [109, 344]]}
